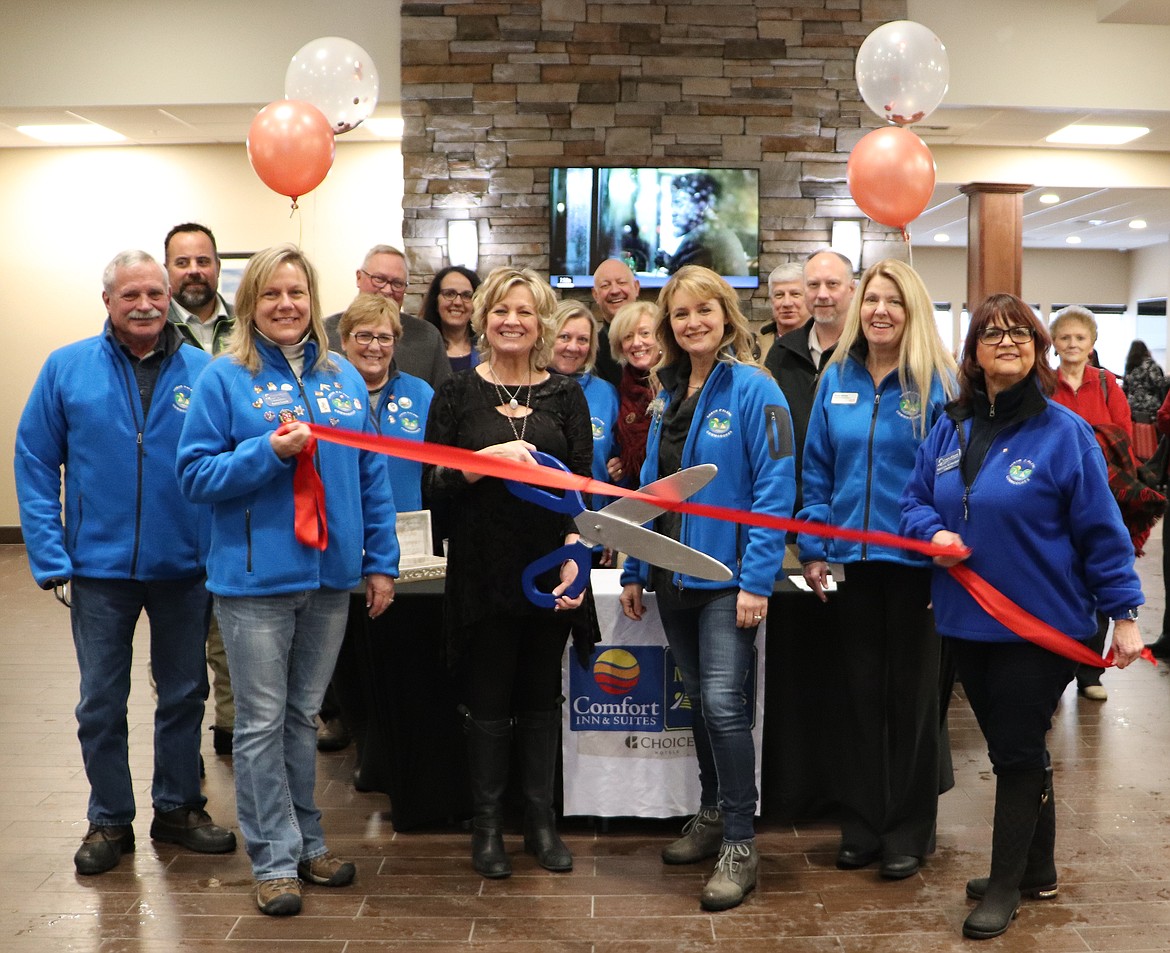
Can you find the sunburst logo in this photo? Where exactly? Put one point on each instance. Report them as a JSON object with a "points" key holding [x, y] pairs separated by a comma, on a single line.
{"points": [[616, 672]]}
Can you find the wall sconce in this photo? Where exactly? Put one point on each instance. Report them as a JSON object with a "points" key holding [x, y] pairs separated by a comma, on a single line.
{"points": [[463, 243], [847, 241]]}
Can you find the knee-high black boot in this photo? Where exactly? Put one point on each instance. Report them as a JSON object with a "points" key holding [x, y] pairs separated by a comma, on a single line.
{"points": [[540, 735], [1039, 880], [1017, 807], [489, 746]]}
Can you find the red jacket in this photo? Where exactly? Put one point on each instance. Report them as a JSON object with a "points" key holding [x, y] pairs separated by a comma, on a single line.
{"points": [[1096, 404]]}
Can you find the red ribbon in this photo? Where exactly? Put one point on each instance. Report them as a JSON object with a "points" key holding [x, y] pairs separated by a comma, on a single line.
{"points": [[1017, 619], [309, 523]]}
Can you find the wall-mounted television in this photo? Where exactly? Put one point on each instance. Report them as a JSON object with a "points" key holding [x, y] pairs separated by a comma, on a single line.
{"points": [[656, 220]]}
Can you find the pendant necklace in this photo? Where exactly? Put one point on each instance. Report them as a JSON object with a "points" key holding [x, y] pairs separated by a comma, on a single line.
{"points": [[513, 403]]}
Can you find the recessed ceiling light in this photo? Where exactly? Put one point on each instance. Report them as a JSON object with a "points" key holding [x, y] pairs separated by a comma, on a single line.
{"points": [[1096, 221], [942, 237], [385, 128], [72, 134], [1138, 223], [1086, 135], [1049, 198], [1073, 240]]}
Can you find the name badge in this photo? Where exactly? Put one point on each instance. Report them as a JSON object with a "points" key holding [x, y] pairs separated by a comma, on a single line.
{"points": [[841, 397], [949, 462]]}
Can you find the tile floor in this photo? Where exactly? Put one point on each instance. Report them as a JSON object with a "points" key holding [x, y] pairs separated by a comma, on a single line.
{"points": [[417, 891]]}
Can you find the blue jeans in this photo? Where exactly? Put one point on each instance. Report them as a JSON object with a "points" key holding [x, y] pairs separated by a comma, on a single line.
{"points": [[715, 660], [281, 652], [104, 615]]}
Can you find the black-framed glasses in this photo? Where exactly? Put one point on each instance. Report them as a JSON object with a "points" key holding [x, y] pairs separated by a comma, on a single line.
{"points": [[366, 338], [1020, 334], [450, 294], [381, 281]]}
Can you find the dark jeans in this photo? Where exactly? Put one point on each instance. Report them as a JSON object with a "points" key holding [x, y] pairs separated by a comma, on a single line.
{"points": [[888, 759], [513, 664], [1013, 688]]}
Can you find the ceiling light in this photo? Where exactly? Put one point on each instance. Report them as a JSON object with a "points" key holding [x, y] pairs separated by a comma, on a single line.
{"points": [[72, 134], [1096, 221], [942, 237], [1073, 240], [1049, 198], [1138, 223], [1086, 135], [385, 128]]}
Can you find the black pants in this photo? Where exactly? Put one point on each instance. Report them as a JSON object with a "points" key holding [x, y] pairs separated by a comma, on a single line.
{"points": [[513, 664], [888, 761], [1013, 688]]}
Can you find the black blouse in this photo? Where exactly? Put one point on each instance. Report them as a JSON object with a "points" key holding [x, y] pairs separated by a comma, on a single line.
{"points": [[493, 534]]}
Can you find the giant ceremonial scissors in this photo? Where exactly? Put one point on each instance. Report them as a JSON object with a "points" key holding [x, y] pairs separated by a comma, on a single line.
{"points": [[617, 526]]}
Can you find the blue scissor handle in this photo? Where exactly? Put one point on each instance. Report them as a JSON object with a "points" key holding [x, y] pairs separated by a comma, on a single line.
{"points": [[581, 554], [569, 502]]}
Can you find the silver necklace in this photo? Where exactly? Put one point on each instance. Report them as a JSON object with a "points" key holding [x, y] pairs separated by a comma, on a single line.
{"points": [[513, 403]]}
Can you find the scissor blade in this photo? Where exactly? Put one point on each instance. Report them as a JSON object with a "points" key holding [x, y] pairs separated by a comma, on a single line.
{"points": [[678, 486], [649, 546]]}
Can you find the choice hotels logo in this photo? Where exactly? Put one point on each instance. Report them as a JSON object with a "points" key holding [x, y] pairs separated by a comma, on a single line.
{"points": [[616, 671]]}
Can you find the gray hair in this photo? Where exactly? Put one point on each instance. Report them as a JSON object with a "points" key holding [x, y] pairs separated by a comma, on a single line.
{"points": [[836, 254], [128, 259], [386, 250], [1074, 312], [789, 271]]}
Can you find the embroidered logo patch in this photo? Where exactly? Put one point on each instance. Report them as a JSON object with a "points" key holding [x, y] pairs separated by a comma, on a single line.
{"points": [[598, 428], [717, 423], [1020, 471], [909, 405], [181, 398]]}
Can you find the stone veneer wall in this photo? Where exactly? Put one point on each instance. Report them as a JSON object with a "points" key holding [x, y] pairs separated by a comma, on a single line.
{"points": [[496, 93]]}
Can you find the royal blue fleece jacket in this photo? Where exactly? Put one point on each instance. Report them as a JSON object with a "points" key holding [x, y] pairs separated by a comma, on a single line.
{"points": [[858, 454], [742, 425], [402, 412], [124, 515], [226, 459], [1042, 526]]}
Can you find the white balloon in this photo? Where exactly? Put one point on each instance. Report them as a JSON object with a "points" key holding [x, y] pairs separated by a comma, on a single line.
{"points": [[338, 77], [902, 71]]}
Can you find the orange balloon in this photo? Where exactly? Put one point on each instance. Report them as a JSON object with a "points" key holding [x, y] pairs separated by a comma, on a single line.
{"points": [[290, 145], [891, 176]]}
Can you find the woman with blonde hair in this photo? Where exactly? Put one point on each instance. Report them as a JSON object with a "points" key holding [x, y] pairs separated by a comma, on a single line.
{"points": [[506, 650], [633, 346], [717, 405], [281, 603], [881, 392]]}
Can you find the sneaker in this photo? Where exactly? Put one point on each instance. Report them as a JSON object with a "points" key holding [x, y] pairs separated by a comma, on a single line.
{"points": [[192, 827], [1094, 693], [701, 837], [327, 871], [279, 898], [734, 877], [102, 848]]}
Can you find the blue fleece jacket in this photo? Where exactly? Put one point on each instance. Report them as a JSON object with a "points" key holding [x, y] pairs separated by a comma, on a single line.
{"points": [[858, 454], [1042, 526], [226, 459], [602, 398], [124, 515], [742, 425], [402, 412]]}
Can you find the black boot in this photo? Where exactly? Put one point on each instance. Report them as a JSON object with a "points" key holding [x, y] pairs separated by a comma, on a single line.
{"points": [[489, 747], [540, 737], [1039, 880], [1017, 806]]}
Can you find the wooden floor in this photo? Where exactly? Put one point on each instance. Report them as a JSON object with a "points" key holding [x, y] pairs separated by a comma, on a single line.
{"points": [[417, 891]]}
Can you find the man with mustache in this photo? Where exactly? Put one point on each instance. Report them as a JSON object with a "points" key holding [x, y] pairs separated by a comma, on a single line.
{"points": [[107, 411], [205, 319]]}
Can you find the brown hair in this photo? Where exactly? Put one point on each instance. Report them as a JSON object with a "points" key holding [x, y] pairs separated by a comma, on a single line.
{"points": [[1004, 310]]}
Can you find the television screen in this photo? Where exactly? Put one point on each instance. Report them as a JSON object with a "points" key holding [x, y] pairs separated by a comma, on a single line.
{"points": [[656, 220]]}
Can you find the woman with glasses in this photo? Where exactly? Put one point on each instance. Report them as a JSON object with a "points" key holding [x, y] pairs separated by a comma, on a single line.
{"points": [[281, 602], [878, 397], [448, 307], [1021, 482]]}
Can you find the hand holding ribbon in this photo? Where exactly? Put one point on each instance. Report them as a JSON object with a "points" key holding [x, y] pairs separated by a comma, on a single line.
{"points": [[309, 524]]}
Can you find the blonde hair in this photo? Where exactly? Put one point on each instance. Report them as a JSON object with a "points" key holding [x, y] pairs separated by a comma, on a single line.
{"points": [[705, 285], [495, 288], [921, 354], [625, 321], [257, 273], [369, 309], [567, 311], [1077, 313]]}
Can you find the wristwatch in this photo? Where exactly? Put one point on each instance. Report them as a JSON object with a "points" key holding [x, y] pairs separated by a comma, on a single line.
{"points": [[1127, 615]]}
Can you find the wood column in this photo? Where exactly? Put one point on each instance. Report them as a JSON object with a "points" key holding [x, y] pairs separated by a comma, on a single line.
{"points": [[995, 239]]}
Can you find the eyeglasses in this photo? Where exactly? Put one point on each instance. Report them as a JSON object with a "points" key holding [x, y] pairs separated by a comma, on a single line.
{"points": [[381, 281], [1020, 334], [450, 294], [366, 338]]}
